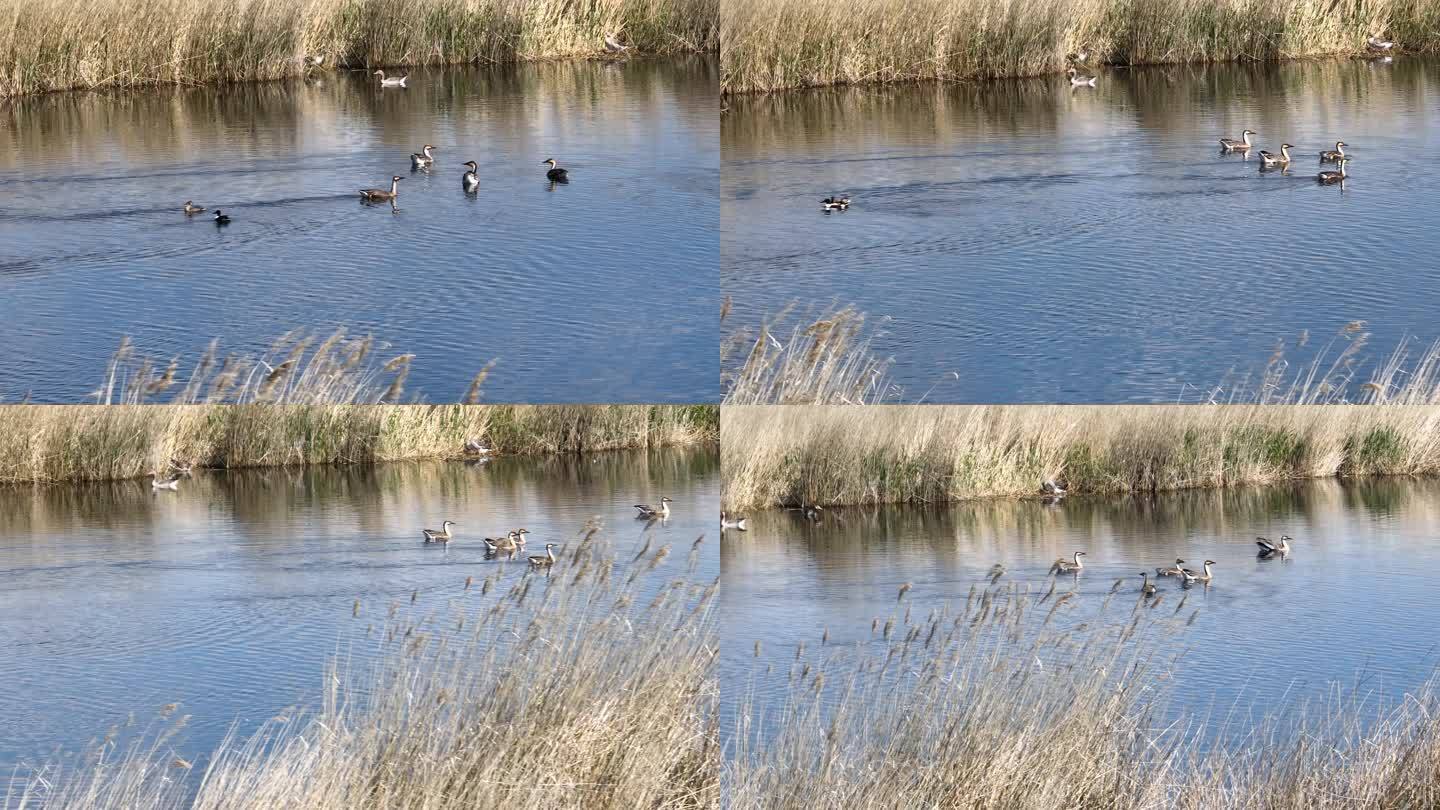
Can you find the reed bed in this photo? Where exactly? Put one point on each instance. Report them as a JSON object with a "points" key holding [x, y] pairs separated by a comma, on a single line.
{"points": [[785, 44], [792, 359], [50, 45], [592, 686], [56, 443], [1007, 702], [928, 454]]}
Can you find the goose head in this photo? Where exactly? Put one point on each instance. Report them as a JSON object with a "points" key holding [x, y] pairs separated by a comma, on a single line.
{"points": [[471, 165]]}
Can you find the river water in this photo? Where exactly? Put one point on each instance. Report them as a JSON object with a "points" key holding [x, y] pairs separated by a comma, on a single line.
{"points": [[1044, 244]]}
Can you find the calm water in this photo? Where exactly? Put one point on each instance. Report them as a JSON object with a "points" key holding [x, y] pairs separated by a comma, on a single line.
{"points": [[231, 595], [600, 291], [1352, 606], [1050, 245]]}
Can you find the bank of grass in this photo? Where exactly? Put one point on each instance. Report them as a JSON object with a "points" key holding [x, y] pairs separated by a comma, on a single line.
{"points": [[1007, 701], [57, 45], [592, 687], [774, 45], [55, 443], [931, 453]]}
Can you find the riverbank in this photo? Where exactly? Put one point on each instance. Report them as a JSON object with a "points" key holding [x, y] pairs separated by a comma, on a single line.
{"points": [[47, 45], [805, 43], [837, 455], [57, 443]]}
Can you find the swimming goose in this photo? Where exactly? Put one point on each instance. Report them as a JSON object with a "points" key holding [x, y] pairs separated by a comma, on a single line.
{"points": [[158, 483], [192, 208], [506, 543], [545, 561], [1272, 159], [221, 219], [384, 82], [1267, 548], [613, 45], [474, 447], [1377, 44], [471, 180], [813, 513], [1334, 177], [1049, 487], [835, 203], [520, 537], [1064, 566], [1148, 589], [648, 511], [727, 522], [556, 173], [1173, 571], [1192, 576], [1078, 79], [1242, 145], [378, 195], [423, 159], [441, 536], [1334, 155]]}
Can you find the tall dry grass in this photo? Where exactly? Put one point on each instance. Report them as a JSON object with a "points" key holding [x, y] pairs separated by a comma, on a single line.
{"points": [[1006, 702], [590, 686], [772, 456], [773, 45], [798, 359], [54, 443], [57, 45]]}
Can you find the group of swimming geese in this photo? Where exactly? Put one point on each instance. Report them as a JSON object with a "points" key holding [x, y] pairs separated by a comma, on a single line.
{"points": [[1270, 160], [1187, 576], [514, 541]]}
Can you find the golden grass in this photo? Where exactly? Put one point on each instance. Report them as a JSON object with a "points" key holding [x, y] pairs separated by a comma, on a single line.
{"points": [[56, 45], [53, 443], [788, 361], [777, 44], [590, 687], [773, 456], [1003, 702]]}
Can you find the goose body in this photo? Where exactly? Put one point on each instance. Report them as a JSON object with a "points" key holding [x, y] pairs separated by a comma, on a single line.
{"points": [[1268, 548], [1202, 576], [475, 447], [192, 208], [648, 511], [1242, 145], [1172, 571], [1327, 178], [506, 543], [813, 513], [1375, 43], [727, 522], [1078, 79], [1272, 159], [1064, 566], [1049, 487], [423, 159], [1334, 155], [612, 45], [555, 173], [547, 560], [442, 535], [157, 483], [221, 219], [1148, 589], [387, 82], [471, 178], [380, 194], [835, 203]]}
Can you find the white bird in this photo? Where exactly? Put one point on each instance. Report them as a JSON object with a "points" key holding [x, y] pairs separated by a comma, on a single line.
{"points": [[1052, 488], [384, 82], [613, 45], [1078, 79], [474, 446], [158, 483], [1377, 44], [727, 522]]}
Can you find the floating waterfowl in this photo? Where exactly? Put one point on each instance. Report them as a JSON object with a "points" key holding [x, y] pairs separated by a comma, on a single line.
{"points": [[1078, 79], [384, 82], [727, 522], [1334, 155], [1268, 548], [443, 535], [1193, 576], [1377, 44], [158, 483], [520, 537], [648, 511], [474, 446], [835, 203], [813, 513], [1272, 159], [380, 195], [1052, 489], [545, 561], [1242, 145], [1327, 177], [1064, 566], [556, 173], [612, 45], [423, 159], [506, 543], [1172, 571], [192, 208], [221, 219], [471, 179], [1148, 589]]}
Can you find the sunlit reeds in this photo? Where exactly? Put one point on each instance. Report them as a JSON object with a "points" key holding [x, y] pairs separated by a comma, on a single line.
{"points": [[57, 45], [790, 359], [804, 43]]}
